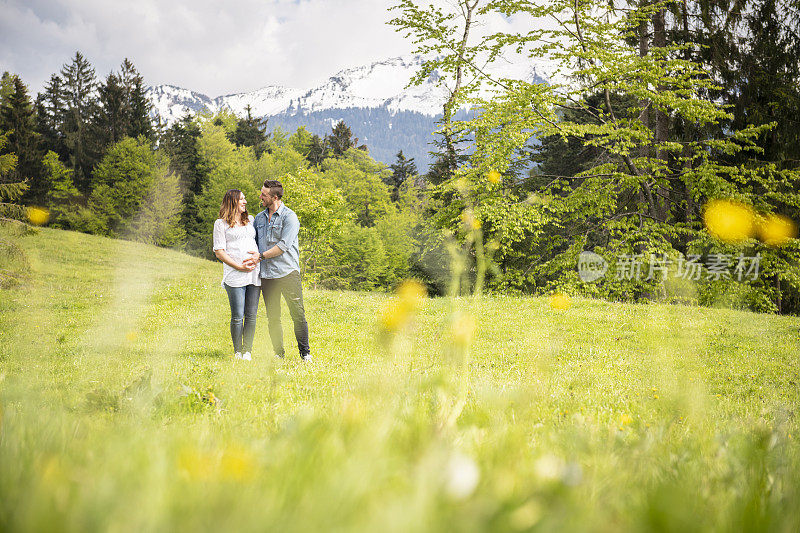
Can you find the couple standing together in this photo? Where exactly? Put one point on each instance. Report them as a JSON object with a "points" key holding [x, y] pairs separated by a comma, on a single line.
{"points": [[261, 254]]}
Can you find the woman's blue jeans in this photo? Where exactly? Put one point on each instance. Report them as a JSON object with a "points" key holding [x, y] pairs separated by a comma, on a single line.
{"points": [[244, 308]]}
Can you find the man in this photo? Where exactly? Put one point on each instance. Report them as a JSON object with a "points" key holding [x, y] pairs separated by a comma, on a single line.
{"points": [[277, 228]]}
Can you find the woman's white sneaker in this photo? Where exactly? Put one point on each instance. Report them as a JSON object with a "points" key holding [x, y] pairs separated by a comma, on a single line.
{"points": [[237, 355], [247, 356]]}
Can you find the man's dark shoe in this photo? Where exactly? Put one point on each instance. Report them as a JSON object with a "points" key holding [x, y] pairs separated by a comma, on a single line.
{"points": [[305, 357]]}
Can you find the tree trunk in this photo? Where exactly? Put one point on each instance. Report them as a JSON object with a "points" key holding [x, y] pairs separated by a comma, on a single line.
{"points": [[661, 118], [467, 8]]}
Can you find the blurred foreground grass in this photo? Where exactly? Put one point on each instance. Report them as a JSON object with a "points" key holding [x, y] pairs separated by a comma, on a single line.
{"points": [[121, 409]]}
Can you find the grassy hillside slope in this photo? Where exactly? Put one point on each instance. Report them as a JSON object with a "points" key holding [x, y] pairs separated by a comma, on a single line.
{"points": [[122, 409]]}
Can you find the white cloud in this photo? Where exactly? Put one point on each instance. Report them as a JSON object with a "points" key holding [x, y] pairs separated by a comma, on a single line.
{"points": [[204, 45], [208, 46]]}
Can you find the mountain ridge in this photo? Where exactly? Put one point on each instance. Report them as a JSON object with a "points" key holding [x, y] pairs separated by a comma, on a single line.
{"points": [[381, 86]]}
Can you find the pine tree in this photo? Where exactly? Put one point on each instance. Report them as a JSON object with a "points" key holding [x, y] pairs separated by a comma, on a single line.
{"points": [[80, 109], [123, 180], [138, 107], [250, 132], [17, 117], [112, 117], [50, 115], [341, 139], [318, 150], [402, 170], [765, 86], [124, 110], [447, 158], [11, 190], [13, 262], [180, 144]]}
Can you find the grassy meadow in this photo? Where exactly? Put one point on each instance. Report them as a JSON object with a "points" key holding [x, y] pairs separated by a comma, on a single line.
{"points": [[122, 409]]}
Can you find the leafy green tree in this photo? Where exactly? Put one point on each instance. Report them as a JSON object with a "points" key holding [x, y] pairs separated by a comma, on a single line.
{"points": [[63, 197], [228, 167], [301, 141], [280, 162], [6, 85], [159, 219], [642, 194], [225, 119], [396, 231], [313, 148], [323, 214], [123, 179], [448, 36], [277, 138], [361, 262], [361, 181]]}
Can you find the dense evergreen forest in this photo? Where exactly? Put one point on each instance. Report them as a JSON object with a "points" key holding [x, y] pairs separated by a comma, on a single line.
{"points": [[669, 106]]}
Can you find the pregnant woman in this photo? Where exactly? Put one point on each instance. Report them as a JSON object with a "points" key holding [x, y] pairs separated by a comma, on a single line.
{"points": [[234, 244]]}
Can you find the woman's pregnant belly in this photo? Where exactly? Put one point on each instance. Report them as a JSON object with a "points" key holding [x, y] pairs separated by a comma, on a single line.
{"points": [[243, 251]]}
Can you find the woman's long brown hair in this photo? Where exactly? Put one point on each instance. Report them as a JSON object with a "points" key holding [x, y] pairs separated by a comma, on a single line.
{"points": [[230, 206]]}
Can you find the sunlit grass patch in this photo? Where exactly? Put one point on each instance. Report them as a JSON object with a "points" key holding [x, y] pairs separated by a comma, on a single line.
{"points": [[126, 411]]}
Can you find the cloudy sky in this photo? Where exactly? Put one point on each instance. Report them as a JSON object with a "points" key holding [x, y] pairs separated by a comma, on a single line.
{"points": [[209, 46]]}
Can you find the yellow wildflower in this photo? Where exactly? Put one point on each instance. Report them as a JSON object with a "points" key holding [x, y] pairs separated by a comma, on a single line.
{"points": [[410, 296], [392, 317], [38, 216], [776, 230], [729, 221], [560, 301], [195, 464], [237, 464], [462, 329], [412, 293]]}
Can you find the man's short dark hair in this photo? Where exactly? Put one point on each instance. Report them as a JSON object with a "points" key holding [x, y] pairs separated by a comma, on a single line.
{"points": [[275, 187]]}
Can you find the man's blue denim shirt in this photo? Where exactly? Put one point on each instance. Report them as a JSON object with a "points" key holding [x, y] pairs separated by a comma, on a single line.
{"points": [[282, 231]]}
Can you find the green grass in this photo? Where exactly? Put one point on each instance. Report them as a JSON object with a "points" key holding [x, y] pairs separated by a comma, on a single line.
{"points": [[603, 417]]}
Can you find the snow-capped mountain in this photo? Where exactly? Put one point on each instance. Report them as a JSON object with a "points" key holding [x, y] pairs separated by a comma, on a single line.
{"points": [[264, 102], [381, 84], [371, 99], [171, 103]]}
